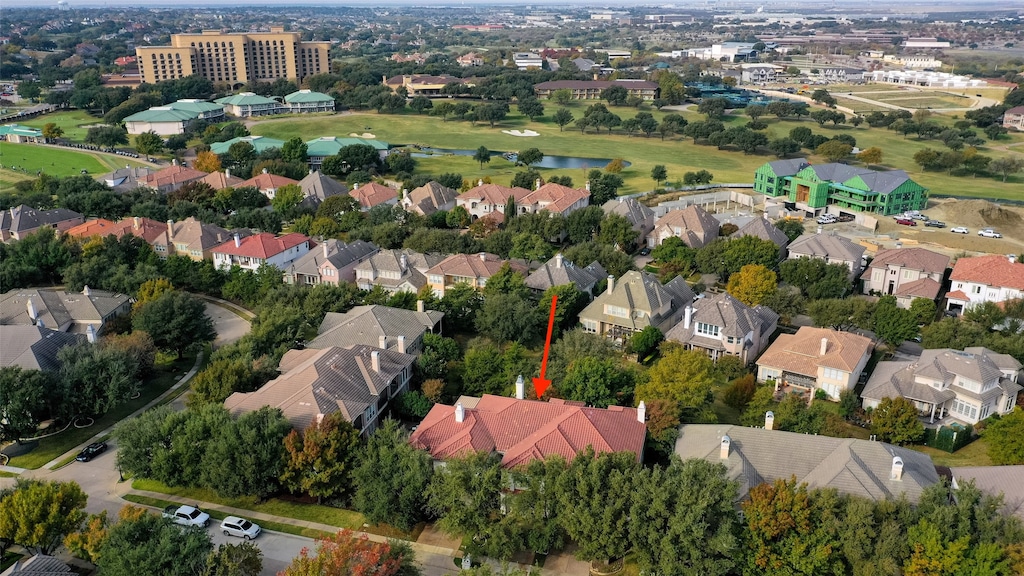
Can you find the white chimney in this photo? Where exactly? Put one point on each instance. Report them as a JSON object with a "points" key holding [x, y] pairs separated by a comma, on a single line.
{"points": [[899, 245], [90, 334], [375, 360], [238, 240], [687, 316], [480, 182], [641, 412], [483, 256], [420, 306], [769, 420], [319, 417], [404, 263], [405, 192], [460, 413], [824, 347], [174, 162], [588, 188], [558, 260], [611, 283], [765, 214], [819, 230], [401, 344], [227, 173], [41, 324], [86, 291], [897, 469], [1012, 258], [355, 186], [32, 313], [325, 248], [170, 226], [520, 388], [264, 170], [726, 442], [536, 184], [135, 222], [382, 342]]}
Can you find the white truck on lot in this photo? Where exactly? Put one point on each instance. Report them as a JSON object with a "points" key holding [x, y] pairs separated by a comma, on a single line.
{"points": [[187, 516]]}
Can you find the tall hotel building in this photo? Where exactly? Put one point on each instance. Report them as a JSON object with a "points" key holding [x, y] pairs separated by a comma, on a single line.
{"points": [[234, 58]]}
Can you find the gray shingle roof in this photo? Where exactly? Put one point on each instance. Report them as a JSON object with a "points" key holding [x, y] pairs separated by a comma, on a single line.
{"points": [[431, 197], [734, 318], [857, 467], [827, 246], [334, 251], [416, 266], [693, 224], [996, 480], [557, 272], [885, 182], [640, 216], [32, 347], [788, 167], [317, 187], [60, 310], [763, 229], [39, 565], [22, 219], [364, 325], [895, 379], [641, 292]]}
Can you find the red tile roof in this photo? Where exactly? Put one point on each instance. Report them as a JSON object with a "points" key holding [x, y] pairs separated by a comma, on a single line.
{"points": [[492, 193], [991, 270], [525, 430], [268, 181], [172, 175], [97, 227], [263, 245], [145, 228], [220, 180], [554, 197], [920, 288], [957, 295], [372, 194]]}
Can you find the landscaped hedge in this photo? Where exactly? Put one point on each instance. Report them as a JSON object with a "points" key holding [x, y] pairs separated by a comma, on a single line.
{"points": [[949, 439]]}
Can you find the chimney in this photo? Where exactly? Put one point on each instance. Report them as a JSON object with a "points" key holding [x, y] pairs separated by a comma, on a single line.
{"points": [[460, 413], [480, 182], [355, 186], [483, 256], [405, 193], [588, 189], [769, 420], [687, 316], [536, 184], [264, 170], [325, 248], [824, 347], [170, 226], [611, 283], [41, 324], [520, 388], [32, 310], [135, 222], [401, 344], [558, 260], [641, 412], [382, 342], [375, 360], [420, 307], [227, 173], [819, 230], [90, 334], [86, 291], [174, 162], [319, 418], [726, 442], [238, 240], [1012, 258], [899, 245], [310, 170], [404, 263], [897, 469], [765, 214]]}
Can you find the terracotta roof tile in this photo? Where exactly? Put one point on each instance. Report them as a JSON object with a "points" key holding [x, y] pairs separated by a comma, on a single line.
{"points": [[267, 181], [482, 265], [990, 270], [263, 245], [220, 180], [89, 228], [149, 230], [912, 258], [957, 295], [372, 194], [171, 176], [921, 288], [801, 352], [492, 193]]}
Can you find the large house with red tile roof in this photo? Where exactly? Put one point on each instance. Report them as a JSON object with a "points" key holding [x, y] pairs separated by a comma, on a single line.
{"points": [[472, 269], [254, 251], [372, 194], [267, 183], [816, 358], [525, 430], [97, 227], [991, 278], [486, 199], [171, 178], [153, 232], [906, 273], [554, 198]]}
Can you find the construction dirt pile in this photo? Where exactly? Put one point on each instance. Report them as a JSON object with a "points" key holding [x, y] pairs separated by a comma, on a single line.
{"points": [[977, 214]]}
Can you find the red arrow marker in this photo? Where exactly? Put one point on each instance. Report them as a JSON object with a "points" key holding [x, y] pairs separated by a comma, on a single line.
{"points": [[541, 384]]}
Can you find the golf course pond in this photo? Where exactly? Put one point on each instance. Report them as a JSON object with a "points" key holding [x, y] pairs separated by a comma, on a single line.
{"points": [[547, 162]]}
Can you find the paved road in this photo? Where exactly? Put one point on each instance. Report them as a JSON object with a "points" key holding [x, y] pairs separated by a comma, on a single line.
{"points": [[229, 326]]}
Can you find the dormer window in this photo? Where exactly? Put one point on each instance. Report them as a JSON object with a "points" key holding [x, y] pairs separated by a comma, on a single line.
{"points": [[707, 329]]}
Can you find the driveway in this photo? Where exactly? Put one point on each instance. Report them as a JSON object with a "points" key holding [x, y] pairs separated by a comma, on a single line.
{"points": [[230, 327]]}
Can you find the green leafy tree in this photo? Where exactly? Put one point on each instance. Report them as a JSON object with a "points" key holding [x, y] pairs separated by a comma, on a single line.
{"points": [[561, 96], [1006, 165], [38, 515], [753, 284], [320, 459], [1003, 436], [682, 376], [534, 505], [149, 544], [465, 495], [244, 559], [246, 457], [176, 321], [834, 150], [595, 494], [531, 108], [51, 131], [783, 147], [24, 399], [659, 174], [562, 117], [895, 421], [529, 156], [149, 143], [615, 95], [94, 379], [597, 382], [871, 155], [645, 342], [508, 318], [287, 198], [923, 310], [391, 478], [437, 356], [420, 104], [294, 150], [713, 108], [482, 156], [892, 324], [571, 301], [108, 136]]}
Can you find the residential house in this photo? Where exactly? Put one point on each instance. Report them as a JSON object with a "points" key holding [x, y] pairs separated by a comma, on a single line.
{"points": [[267, 183], [1014, 118], [635, 301], [19, 221], [317, 187], [989, 278], [333, 262], [17, 134], [396, 270], [719, 325], [470, 59], [831, 248], [307, 102], [527, 60], [38, 565], [373, 194], [429, 198], [425, 84], [995, 481], [554, 198], [558, 272], [693, 225], [760, 73], [221, 180], [259, 144], [640, 216], [862, 468], [76, 312], [97, 227], [359, 382], [253, 251], [320, 148], [967, 386], [171, 178], [815, 358], [521, 430], [906, 273], [154, 233], [126, 179], [385, 327], [762, 228], [472, 269], [246, 104], [34, 347], [195, 239], [486, 199], [593, 89]]}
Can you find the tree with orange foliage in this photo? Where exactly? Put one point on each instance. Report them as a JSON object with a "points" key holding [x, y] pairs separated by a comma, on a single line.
{"points": [[207, 161], [346, 554]]}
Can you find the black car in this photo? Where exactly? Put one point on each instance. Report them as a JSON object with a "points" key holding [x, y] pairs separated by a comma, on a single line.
{"points": [[935, 224], [91, 451]]}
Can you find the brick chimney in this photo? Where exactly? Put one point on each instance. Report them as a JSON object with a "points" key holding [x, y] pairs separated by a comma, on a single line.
{"points": [[769, 420], [641, 412], [375, 360], [460, 413], [726, 443], [897, 469]]}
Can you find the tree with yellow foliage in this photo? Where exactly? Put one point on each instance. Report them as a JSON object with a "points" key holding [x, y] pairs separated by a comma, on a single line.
{"points": [[752, 284], [207, 162]]}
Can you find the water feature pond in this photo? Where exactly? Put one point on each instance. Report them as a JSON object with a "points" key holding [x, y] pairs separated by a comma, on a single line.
{"points": [[547, 162]]}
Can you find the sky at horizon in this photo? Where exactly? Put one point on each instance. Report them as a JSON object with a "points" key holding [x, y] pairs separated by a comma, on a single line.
{"points": [[720, 4]]}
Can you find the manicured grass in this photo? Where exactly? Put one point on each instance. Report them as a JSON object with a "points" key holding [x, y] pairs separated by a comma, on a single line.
{"points": [[31, 158], [726, 414], [166, 374], [678, 154], [860, 107], [217, 515], [8, 178], [73, 122], [974, 454], [8, 475]]}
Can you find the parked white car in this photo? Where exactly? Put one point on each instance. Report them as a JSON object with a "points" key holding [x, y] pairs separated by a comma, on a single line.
{"points": [[240, 527], [989, 233], [827, 219], [187, 516], [959, 230]]}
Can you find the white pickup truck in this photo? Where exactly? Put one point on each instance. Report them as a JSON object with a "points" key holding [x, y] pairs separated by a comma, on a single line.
{"points": [[187, 516]]}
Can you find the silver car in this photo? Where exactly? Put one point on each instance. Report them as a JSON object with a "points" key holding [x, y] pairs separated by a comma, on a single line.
{"points": [[240, 527]]}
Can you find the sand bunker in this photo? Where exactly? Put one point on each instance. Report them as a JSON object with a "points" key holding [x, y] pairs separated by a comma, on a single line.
{"points": [[521, 133], [363, 135]]}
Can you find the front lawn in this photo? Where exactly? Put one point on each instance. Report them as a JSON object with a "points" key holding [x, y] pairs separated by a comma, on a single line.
{"points": [[167, 372], [974, 454]]}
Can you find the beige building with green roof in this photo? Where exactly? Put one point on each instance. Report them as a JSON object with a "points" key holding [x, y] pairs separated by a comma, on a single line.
{"points": [[307, 101], [247, 104]]}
